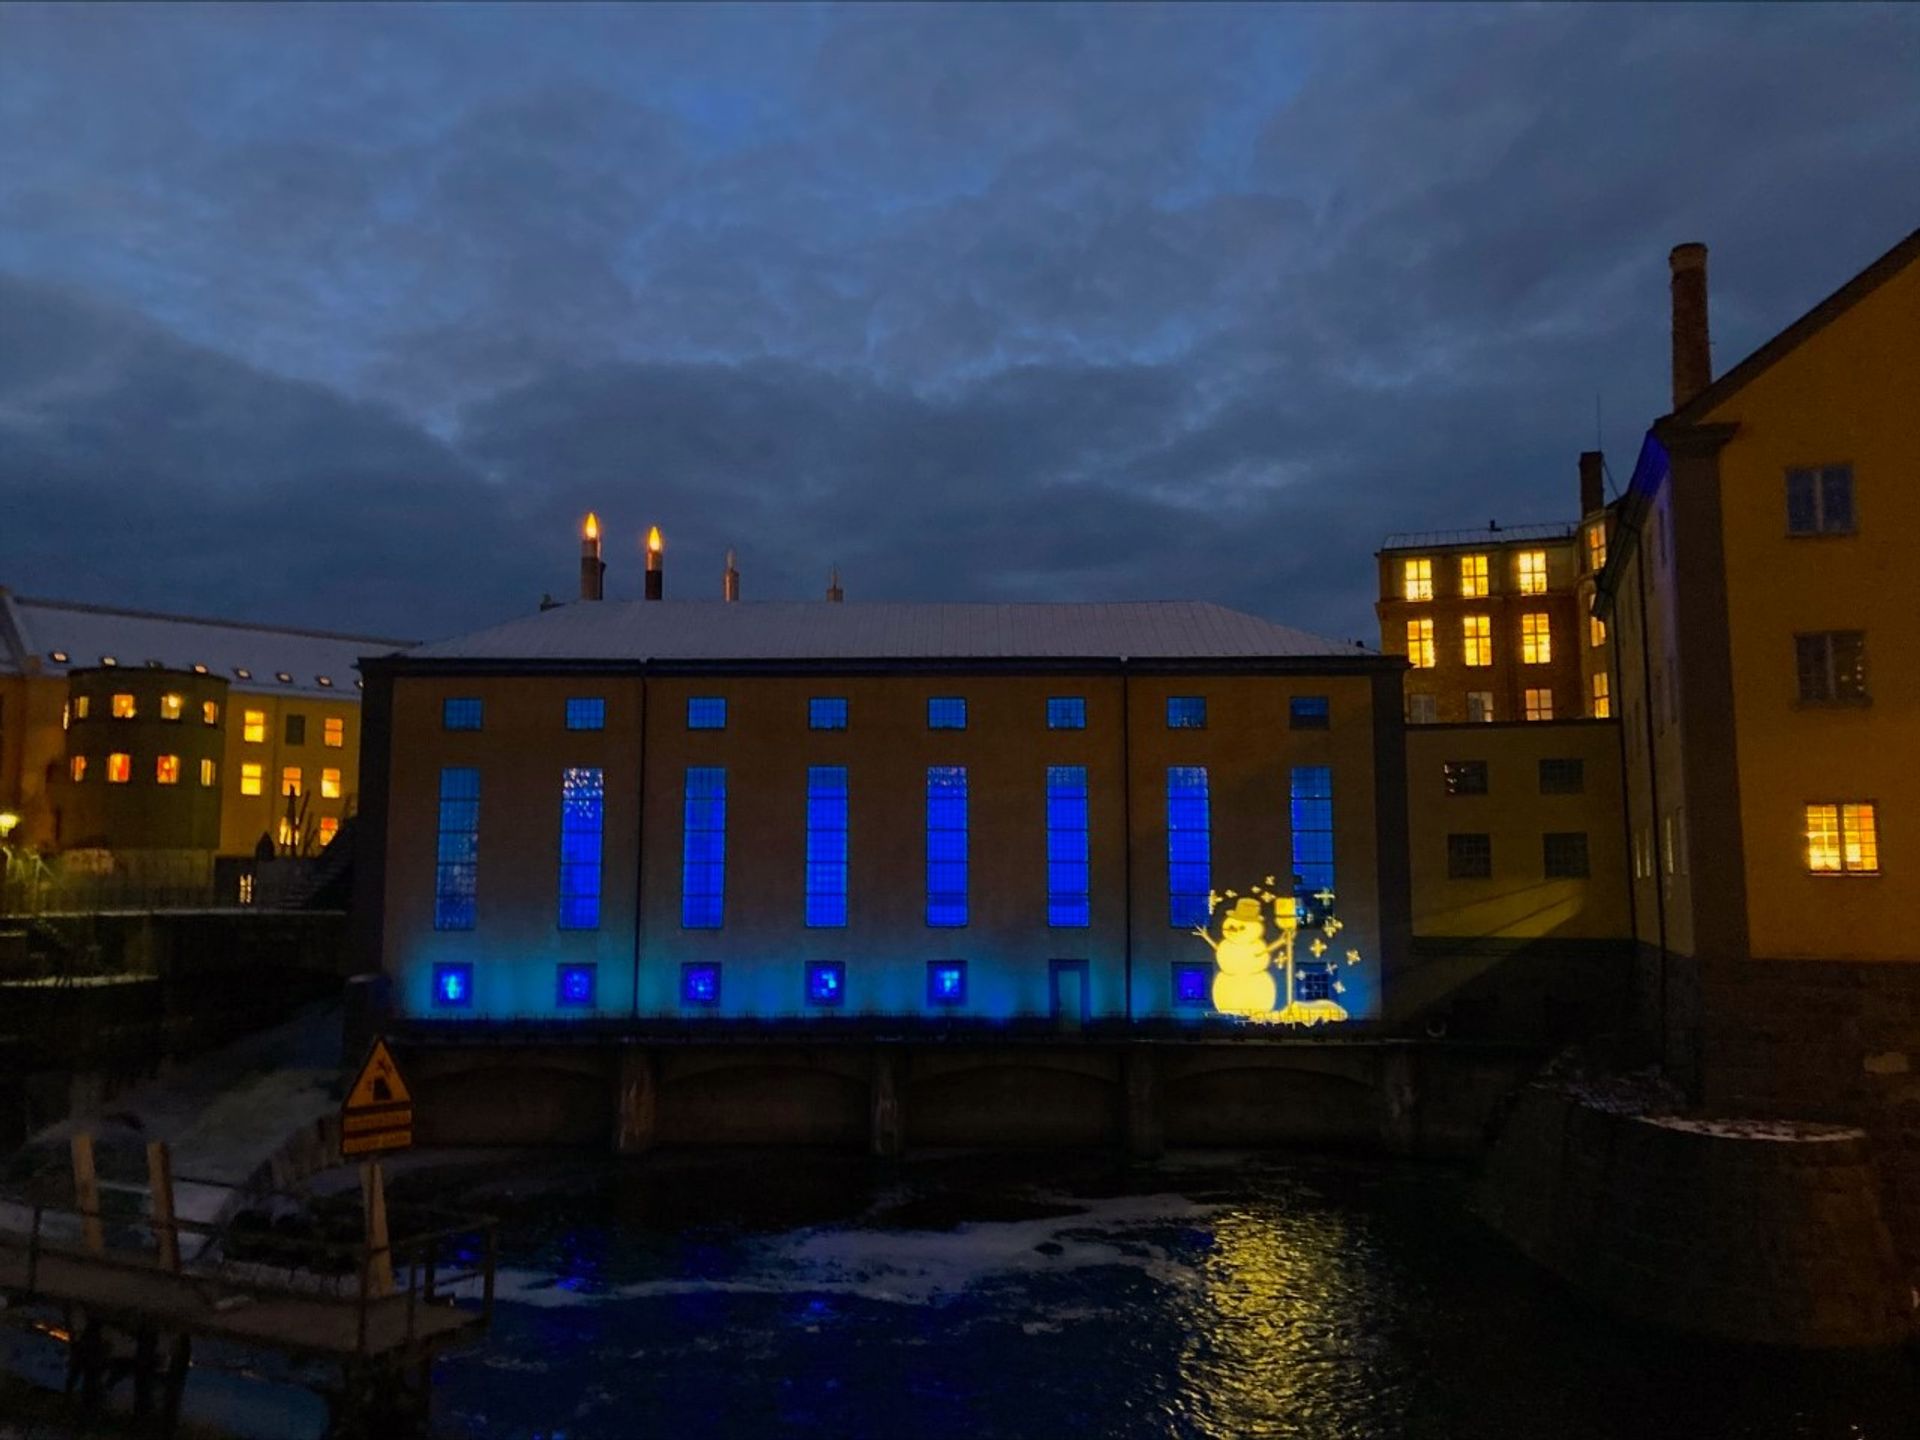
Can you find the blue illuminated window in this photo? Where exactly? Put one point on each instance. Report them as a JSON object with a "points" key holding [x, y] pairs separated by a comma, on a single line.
{"points": [[700, 983], [706, 712], [582, 806], [826, 982], [1192, 984], [1066, 712], [1312, 980], [947, 712], [827, 712], [1189, 847], [459, 714], [453, 987], [1309, 712], [946, 845], [586, 712], [946, 982], [826, 845], [703, 870], [1186, 712], [573, 987], [458, 858], [1067, 902], [1312, 791]]}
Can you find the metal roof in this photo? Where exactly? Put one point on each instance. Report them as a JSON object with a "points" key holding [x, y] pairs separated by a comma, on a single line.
{"points": [[1494, 535], [62, 635], [818, 630]]}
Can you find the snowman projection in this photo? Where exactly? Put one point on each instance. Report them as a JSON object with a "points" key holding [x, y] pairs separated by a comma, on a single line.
{"points": [[1247, 984]]}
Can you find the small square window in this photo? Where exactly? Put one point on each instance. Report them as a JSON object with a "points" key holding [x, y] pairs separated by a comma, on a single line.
{"points": [[1312, 980], [119, 769], [826, 982], [1539, 704], [827, 712], [1563, 777], [1831, 666], [210, 712], [252, 778], [1309, 712], [1465, 777], [1566, 856], [170, 707], [333, 731], [947, 712], [463, 714], [700, 983], [706, 712], [1480, 707], [296, 729], [453, 986], [1186, 712], [586, 712], [1192, 984], [1469, 857], [166, 769], [124, 707], [1820, 501], [574, 987], [1066, 712], [209, 771], [946, 982], [77, 768], [1422, 709]]}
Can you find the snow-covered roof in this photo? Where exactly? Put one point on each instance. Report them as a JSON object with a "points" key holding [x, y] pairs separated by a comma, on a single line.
{"points": [[61, 635], [818, 630]]}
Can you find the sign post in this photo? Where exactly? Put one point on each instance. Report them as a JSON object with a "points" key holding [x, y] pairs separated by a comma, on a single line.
{"points": [[377, 1114]]}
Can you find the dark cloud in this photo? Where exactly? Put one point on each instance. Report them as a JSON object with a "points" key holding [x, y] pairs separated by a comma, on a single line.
{"points": [[343, 314]]}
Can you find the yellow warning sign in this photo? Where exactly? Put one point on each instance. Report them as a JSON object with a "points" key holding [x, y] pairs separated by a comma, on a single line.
{"points": [[378, 1111]]}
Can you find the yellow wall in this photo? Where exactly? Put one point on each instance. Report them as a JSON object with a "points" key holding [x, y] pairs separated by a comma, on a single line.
{"points": [[1850, 393], [31, 742], [1517, 902]]}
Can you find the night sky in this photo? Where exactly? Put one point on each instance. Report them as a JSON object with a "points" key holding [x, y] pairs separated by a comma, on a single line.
{"points": [[343, 316]]}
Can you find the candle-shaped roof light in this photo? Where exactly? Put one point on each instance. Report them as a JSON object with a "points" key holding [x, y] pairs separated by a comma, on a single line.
{"points": [[655, 580], [593, 569], [591, 530]]}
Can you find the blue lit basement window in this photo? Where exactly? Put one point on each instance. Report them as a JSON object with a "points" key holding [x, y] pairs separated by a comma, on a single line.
{"points": [[582, 804], [947, 712], [703, 870], [460, 714], [826, 982], [1312, 980], [706, 712], [586, 712], [453, 987], [1186, 712], [1192, 984], [574, 987], [826, 845], [700, 983], [457, 859], [1308, 712], [827, 712], [1189, 847], [1066, 712], [1067, 892], [946, 982], [946, 845]]}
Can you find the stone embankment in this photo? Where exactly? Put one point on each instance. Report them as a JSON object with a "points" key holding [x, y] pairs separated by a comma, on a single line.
{"points": [[1764, 1232]]}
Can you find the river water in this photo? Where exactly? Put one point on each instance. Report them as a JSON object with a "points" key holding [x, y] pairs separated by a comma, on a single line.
{"points": [[813, 1295]]}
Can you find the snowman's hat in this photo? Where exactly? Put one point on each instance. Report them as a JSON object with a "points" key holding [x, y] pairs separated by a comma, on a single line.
{"points": [[1247, 908]]}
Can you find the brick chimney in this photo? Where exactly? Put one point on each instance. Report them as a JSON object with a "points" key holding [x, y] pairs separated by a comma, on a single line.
{"points": [[593, 570], [656, 580], [1692, 356], [834, 592], [1593, 484], [730, 581]]}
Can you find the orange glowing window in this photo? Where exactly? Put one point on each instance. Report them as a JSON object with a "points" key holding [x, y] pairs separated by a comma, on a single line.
{"points": [[283, 833], [123, 707], [329, 827], [1420, 644], [210, 712], [1597, 547], [253, 726], [81, 705], [330, 784], [166, 769], [170, 705], [1602, 700], [290, 780], [1842, 839], [77, 768], [252, 779], [1477, 634], [1473, 576], [1539, 704], [1530, 569], [209, 772], [333, 731], [119, 769], [1417, 579], [1596, 631], [1536, 639]]}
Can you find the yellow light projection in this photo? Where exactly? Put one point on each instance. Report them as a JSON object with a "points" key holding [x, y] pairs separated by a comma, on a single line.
{"points": [[1258, 979]]}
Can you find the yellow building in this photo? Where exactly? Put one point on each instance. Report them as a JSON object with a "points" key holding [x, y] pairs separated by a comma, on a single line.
{"points": [[286, 724], [1769, 655]]}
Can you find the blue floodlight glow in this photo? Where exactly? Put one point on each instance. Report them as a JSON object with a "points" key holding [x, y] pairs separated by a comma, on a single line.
{"points": [[706, 712], [827, 712], [1186, 712], [457, 859], [462, 714], [1192, 984], [826, 845], [1066, 712], [826, 982], [582, 805], [586, 712], [947, 712], [453, 986], [1309, 712], [1068, 904], [703, 870], [573, 989], [1312, 795], [700, 983], [946, 982], [946, 845], [1189, 847]]}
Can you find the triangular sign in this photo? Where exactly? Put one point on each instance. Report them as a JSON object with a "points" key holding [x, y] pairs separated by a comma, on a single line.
{"points": [[378, 1084]]}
